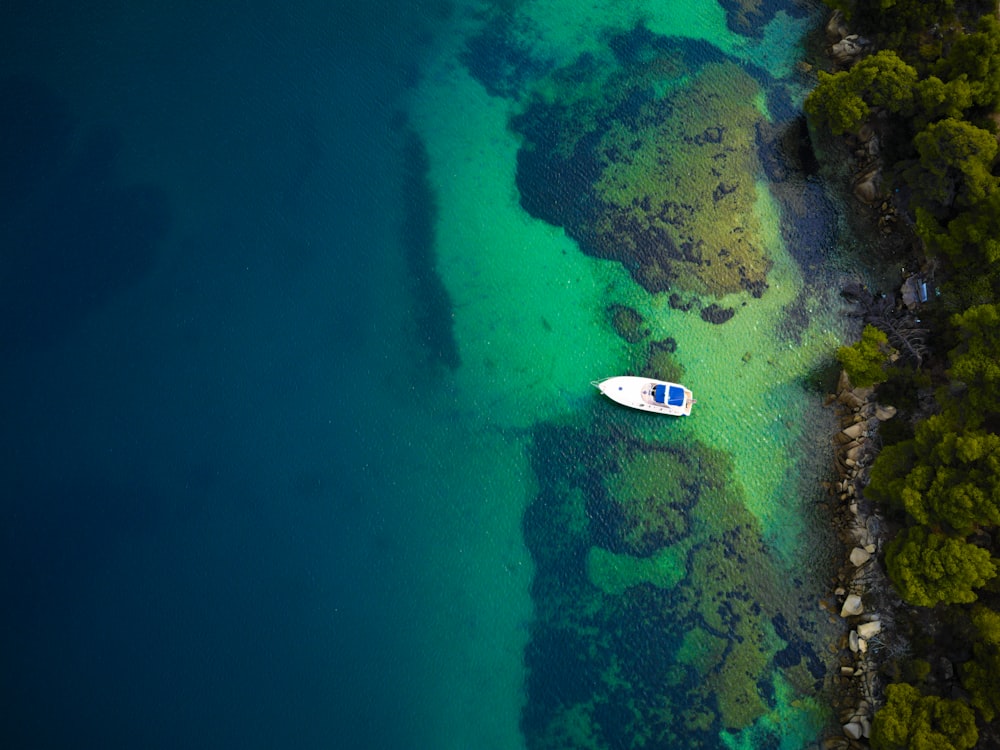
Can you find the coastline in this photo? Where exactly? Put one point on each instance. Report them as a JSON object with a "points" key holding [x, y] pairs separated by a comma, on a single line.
{"points": [[860, 594], [914, 652]]}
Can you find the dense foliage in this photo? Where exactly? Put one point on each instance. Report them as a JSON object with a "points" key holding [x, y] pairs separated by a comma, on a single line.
{"points": [[930, 89], [865, 360], [929, 568], [912, 720]]}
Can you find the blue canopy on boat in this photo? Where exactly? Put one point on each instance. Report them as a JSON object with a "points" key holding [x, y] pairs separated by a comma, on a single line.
{"points": [[675, 397]]}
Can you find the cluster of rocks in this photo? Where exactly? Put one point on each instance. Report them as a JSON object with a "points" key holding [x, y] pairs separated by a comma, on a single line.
{"points": [[845, 48], [857, 527], [868, 171]]}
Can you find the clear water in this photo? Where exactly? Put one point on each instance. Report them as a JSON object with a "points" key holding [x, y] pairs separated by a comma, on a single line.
{"points": [[304, 450]]}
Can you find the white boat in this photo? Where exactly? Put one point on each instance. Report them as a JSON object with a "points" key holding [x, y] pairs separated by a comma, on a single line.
{"points": [[647, 394]]}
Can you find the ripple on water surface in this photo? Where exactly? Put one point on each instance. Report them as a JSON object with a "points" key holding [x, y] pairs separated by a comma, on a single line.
{"points": [[606, 189]]}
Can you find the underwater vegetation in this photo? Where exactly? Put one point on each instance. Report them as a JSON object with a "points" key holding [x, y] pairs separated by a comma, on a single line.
{"points": [[661, 617], [650, 159]]}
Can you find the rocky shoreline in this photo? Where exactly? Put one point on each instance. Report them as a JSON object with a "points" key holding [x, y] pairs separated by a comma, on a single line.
{"points": [[861, 596], [860, 593]]}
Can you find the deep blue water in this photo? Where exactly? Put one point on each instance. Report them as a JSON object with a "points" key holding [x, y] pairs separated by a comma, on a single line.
{"points": [[194, 209], [258, 491]]}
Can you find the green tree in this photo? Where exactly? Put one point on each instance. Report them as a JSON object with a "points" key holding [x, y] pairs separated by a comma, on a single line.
{"points": [[981, 674], [887, 478], [976, 360], [843, 101], [987, 624], [971, 243], [865, 360], [887, 81], [836, 103], [943, 475], [935, 99], [975, 58], [954, 166], [912, 721], [928, 568]]}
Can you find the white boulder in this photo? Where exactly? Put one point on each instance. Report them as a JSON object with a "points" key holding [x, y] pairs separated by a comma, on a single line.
{"points": [[882, 413], [859, 556], [855, 431], [853, 730], [852, 606], [869, 629]]}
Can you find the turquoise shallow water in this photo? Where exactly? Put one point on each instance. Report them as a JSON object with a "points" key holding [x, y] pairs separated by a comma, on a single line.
{"points": [[676, 564], [303, 311]]}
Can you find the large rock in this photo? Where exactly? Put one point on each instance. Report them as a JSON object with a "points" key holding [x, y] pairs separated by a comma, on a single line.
{"points": [[882, 413], [852, 606], [867, 186], [848, 49], [868, 630], [843, 382], [848, 399], [836, 27], [859, 556], [855, 431], [866, 726], [853, 730]]}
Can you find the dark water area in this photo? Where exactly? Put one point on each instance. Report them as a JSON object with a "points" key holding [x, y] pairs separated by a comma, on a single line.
{"points": [[301, 446], [433, 303], [73, 236], [195, 207]]}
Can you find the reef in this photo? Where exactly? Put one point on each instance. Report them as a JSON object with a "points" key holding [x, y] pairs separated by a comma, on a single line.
{"points": [[717, 314], [651, 161], [661, 363], [628, 323], [749, 17], [662, 618], [499, 59]]}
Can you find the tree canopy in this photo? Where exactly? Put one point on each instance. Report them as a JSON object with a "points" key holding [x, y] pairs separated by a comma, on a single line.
{"points": [[929, 568], [953, 168], [981, 674], [865, 360], [975, 59], [943, 475], [976, 360], [842, 101], [910, 720], [836, 103]]}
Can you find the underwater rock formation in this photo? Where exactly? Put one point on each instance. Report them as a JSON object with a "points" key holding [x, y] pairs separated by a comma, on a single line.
{"points": [[661, 617], [717, 314], [653, 166], [628, 323]]}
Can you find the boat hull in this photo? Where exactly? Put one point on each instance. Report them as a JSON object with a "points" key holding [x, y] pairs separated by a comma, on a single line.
{"points": [[646, 394]]}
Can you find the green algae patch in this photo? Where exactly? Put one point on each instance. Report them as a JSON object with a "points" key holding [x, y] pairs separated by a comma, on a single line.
{"points": [[572, 727], [656, 603], [677, 189], [794, 722], [654, 492], [657, 166], [702, 650], [614, 573]]}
